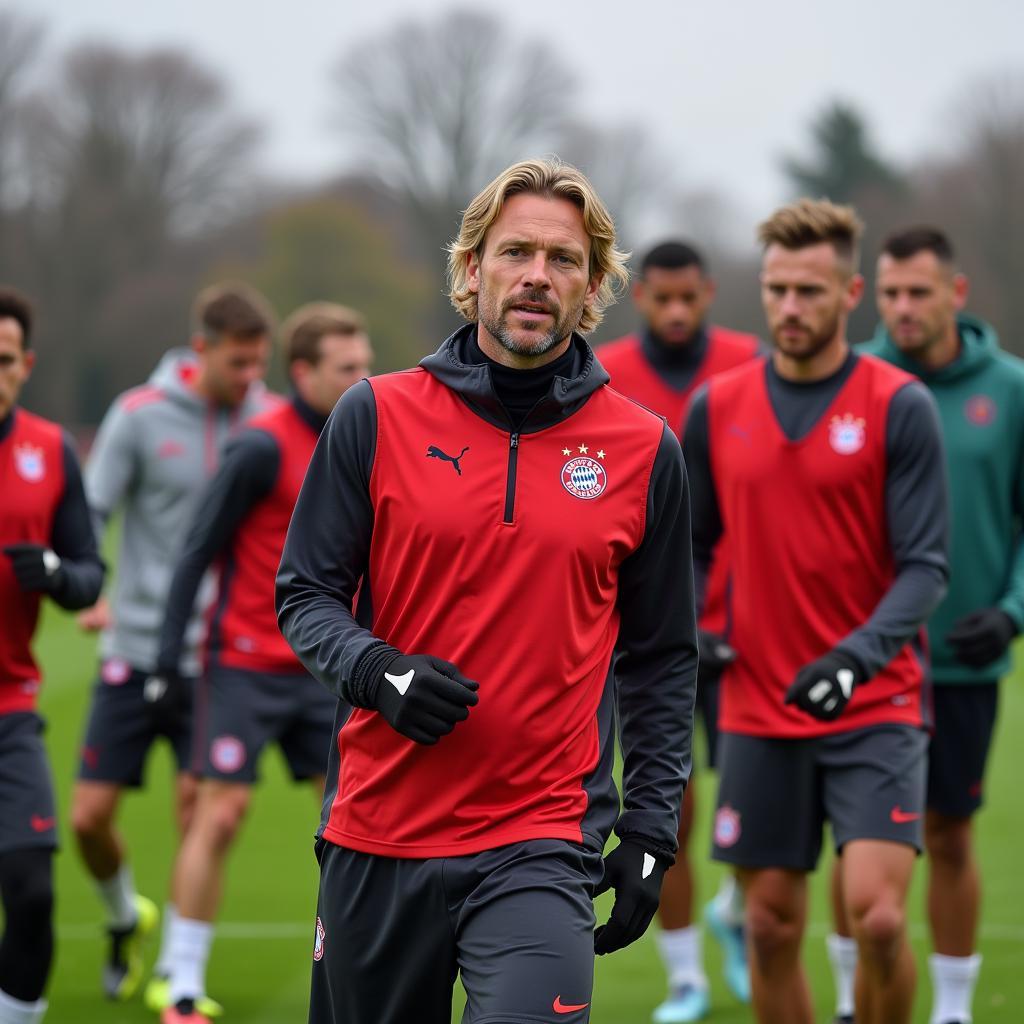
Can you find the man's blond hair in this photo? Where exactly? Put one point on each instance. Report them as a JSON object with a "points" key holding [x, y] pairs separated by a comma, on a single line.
{"points": [[811, 222], [556, 180]]}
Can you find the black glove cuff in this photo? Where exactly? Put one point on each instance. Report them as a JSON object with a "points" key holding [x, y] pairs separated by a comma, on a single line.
{"points": [[663, 854], [853, 663], [368, 673]]}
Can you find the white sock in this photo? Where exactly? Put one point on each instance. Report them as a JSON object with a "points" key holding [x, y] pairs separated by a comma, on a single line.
{"points": [[953, 981], [842, 954], [681, 953], [15, 1011], [729, 901], [189, 951], [163, 961], [118, 895]]}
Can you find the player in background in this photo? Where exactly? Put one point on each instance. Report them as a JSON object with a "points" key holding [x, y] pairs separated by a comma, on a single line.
{"points": [[47, 549], [980, 394], [505, 517], [156, 447], [254, 690], [661, 367], [825, 470]]}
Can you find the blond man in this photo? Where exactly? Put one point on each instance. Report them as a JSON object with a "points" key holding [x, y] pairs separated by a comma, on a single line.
{"points": [[828, 478], [506, 518]]}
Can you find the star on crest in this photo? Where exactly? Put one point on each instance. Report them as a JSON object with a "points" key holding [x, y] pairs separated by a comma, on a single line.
{"points": [[584, 449], [565, 451], [600, 453]]}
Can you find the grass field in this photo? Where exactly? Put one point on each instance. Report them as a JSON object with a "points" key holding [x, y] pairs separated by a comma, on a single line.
{"points": [[261, 957]]}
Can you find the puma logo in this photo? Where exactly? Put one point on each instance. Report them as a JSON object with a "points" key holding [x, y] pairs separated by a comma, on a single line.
{"points": [[433, 452]]}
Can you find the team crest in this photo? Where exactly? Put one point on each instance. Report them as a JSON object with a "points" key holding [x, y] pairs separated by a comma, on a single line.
{"points": [[227, 754], [584, 477], [846, 434], [318, 941], [727, 826], [980, 410], [30, 463], [115, 672]]}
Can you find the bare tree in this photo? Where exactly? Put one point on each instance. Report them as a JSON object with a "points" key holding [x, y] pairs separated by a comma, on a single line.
{"points": [[435, 108], [20, 41]]}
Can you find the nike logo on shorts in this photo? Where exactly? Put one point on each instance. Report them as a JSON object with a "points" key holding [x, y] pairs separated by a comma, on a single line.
{"points": [[401, 683], [559, 1007], [42, 824], [901, 817]]}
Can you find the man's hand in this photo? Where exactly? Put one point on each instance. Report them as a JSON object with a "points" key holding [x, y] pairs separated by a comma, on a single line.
{"points": [[635, 873], [980, 638], [714, 654], [96, 618], [166, 694], [824, 688], [423, 697], [36, 568]]}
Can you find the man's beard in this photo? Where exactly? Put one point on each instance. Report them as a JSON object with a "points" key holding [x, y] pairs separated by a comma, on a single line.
{"points": [[819, 340], [495, 323]]}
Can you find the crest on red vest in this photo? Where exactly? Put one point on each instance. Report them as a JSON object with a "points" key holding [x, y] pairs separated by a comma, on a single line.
{"points": [[846, 434], [30, 462]]}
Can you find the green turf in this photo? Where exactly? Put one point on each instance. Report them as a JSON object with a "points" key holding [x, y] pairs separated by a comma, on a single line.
{"points": [[264, 976]]}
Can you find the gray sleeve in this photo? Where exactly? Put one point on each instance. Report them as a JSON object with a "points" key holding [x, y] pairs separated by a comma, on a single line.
{"points": [[916, 496], [705, 513], [326, 554], [110, 471]]}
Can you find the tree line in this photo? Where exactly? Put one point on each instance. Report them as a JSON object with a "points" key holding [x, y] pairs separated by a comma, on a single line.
{"points": [[129, 178]]}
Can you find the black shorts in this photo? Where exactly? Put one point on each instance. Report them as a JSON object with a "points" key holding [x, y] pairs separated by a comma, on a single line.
{"points": [[965, 718], [707, 707], [238, 712], [28, 816], [775, 795], [517, 922], [122, 727]]}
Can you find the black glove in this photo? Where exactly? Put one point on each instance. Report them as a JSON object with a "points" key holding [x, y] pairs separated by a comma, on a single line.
{"points": [[714, 654], [980, 638], [824, 688], [423, 697], [36, 568], [635, 873], [167, 695]]}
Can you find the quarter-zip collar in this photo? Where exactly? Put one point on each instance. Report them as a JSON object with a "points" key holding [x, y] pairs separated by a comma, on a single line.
{"points": [[473, 383]]}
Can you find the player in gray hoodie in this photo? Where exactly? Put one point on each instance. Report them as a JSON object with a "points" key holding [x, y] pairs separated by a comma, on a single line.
{"points": [[155, 450]]}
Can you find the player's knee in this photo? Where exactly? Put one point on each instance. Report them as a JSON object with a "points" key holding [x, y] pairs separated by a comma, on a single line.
{"points": [[948, 840], [224, 819], [89, 818], [772, 934], [28, 891], [880, 928]]}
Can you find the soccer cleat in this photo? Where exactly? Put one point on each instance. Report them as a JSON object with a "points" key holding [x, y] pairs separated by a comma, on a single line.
{"points": [[183, 1012], [157, 998], [122, 973], [685, 1003], [734, 951]]}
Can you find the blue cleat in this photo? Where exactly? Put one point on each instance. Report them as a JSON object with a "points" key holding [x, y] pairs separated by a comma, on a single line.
{"points": [[685, 1003], [734, 951]]}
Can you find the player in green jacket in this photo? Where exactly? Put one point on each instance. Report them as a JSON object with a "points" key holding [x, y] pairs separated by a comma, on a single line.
{"points": [[980, 394]]}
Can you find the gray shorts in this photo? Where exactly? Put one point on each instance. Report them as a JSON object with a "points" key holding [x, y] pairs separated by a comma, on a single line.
{"points": [[28, 815], [517, 923], [775, 795], [238, 712]]}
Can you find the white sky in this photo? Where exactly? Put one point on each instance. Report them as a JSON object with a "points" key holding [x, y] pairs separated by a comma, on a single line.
{"points": [[726, 86]]}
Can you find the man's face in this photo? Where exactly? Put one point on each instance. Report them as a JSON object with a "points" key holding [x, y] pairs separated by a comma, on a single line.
{"points": [[232, 365], [807, 295], [532, 277], [918, 300], [15, 363], [344, 360], [674, 303]]}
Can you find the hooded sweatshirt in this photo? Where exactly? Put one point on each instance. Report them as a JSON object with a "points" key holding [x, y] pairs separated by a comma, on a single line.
{"points": [[980, 396], [155, 450]]}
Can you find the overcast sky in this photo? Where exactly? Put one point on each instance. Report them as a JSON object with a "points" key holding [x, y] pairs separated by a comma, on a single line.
{"points": [[726, 86]]}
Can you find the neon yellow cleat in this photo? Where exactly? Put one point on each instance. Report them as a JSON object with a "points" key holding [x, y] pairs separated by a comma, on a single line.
{"points": [[122, 974], [157, 998]]}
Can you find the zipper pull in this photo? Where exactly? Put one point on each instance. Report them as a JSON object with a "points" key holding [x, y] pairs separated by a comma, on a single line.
{"points": [[513, 441]]}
